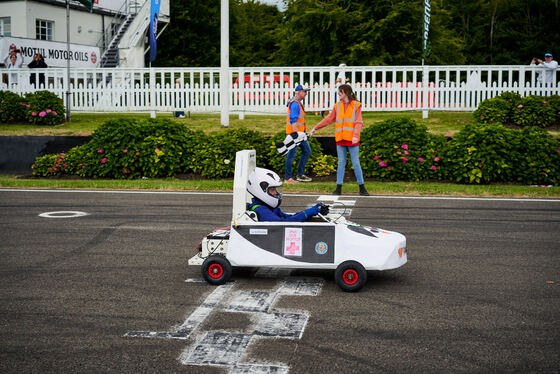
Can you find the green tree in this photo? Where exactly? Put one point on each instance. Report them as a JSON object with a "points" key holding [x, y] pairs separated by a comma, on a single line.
{"points": [[253, 33], [360, 32], [364, 33], [193, 35], [505, 31]]}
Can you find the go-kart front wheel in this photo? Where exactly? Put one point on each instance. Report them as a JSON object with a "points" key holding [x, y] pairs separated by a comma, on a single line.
{"points": [[350, 276], [216, 270]]}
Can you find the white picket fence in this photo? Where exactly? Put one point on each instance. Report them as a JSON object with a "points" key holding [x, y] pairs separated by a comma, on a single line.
{"points": [[267, 89]]}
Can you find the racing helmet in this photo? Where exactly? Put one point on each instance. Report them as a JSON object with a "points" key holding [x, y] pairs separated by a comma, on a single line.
{"points": [[259, 183]]}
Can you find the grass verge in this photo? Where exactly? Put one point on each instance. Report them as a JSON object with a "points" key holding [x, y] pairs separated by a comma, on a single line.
{"points": [[84, 124], [375, 188]]}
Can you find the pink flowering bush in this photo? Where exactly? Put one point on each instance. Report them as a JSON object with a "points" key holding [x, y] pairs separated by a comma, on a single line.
{"points": [[493, 110], [480, 153], [534, 111], [400, 149], [60, 164], [103, 156], [493, 153], [512, 109], [48, 108], [537, 160]]}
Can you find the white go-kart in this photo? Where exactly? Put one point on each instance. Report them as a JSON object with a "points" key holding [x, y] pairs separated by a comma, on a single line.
{"points": [[327, 242]]}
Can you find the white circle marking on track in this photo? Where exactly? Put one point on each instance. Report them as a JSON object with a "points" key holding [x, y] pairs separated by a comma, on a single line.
{"points": [[63, 214]]}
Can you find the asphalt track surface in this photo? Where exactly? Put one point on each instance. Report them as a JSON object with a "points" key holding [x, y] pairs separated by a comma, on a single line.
{"points": [[481, 290]]}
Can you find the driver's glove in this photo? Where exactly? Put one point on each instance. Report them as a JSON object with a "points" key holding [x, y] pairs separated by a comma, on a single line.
{"points": [[314, 210]]}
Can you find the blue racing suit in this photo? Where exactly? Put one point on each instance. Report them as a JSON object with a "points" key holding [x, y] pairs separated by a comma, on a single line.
{"points": [[265, 213]]}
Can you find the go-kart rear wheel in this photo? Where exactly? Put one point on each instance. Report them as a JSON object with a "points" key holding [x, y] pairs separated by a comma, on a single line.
{"points": [[350, 276], [216, 270]]}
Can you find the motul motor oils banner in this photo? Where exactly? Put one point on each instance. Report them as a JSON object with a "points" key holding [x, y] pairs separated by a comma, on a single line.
{"points": [[54, 53]]}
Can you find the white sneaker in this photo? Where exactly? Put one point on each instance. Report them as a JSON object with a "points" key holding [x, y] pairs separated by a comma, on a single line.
{"points": [[303, 178]]}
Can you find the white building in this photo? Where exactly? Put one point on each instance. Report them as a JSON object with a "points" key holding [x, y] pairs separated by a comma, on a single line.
{"points": [[114, 34]]}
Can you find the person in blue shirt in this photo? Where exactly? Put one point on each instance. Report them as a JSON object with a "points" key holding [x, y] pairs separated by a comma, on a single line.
{"points": [[264, 185], [295, 122]]}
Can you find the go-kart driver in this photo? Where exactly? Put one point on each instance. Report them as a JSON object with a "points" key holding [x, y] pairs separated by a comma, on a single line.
{"points": [[263, 184]]}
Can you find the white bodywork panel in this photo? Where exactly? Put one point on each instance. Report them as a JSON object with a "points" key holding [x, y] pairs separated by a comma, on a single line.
{"points": [[386, 251], [245, 163]]}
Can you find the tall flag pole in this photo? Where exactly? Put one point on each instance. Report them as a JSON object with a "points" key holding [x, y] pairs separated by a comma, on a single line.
{"points": [[154, 15], [68, 60], [426, 45], [225, 80], [426, 50]]}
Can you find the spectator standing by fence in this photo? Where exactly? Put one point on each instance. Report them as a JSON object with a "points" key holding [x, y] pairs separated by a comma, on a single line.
{"points": [[14, 60], [180, 97], [37, 63], [549, 65], [341, 78], [295, 122], [347, 116]]}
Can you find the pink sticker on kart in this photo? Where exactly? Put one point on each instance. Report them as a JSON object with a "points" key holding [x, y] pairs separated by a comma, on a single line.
{"points": [[293, 241]]}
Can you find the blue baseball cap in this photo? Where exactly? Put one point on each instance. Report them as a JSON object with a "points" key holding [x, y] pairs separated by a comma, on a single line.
{"points": [[299, 87], [548, 55]]}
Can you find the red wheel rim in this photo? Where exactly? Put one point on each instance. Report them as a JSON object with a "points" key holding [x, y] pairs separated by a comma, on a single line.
{"points": [[215, 271], [350, 276]]}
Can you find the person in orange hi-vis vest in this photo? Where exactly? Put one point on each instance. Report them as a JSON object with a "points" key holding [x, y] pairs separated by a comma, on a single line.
{"points": [[295, 122], [347, 116]]}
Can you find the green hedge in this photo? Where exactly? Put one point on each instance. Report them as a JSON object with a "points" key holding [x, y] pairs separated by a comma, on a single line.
{"points": [[396, 149], [511, 108], [160, 148], [12, 107], [39, 108], [484, 153], [401, 149]]}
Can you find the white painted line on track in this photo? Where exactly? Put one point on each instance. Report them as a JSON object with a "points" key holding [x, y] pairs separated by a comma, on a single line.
{"points": [[194, 320], [290, 194], [118, 191], [227, 349], [63, 214]]}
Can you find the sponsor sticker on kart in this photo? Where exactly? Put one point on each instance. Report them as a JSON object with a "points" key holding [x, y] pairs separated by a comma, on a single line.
{"points": [[258, 231], [321, 248], [293, 241]]}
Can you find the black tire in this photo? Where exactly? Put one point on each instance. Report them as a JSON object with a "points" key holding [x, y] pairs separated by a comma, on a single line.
{"points": [[216, 270], [350, 276]]}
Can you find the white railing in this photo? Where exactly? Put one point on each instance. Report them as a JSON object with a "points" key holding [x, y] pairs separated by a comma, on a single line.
{"points": [[266, 90]]}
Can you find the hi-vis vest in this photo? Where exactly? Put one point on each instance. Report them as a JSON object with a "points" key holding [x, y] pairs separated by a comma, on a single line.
{"points": [[344, 126], [291, 127]]}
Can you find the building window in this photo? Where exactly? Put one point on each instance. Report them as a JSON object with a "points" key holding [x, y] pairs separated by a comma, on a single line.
{"points": [[5, 26], [114, 29], [44, 29]]}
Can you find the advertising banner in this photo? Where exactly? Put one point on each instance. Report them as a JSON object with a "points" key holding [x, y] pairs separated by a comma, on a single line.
{"points": [[154, 15], [426, 48], [54, 53]]}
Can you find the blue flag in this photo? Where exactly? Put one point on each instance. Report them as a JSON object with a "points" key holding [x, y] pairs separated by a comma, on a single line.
{"points": [[154, 15]]}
